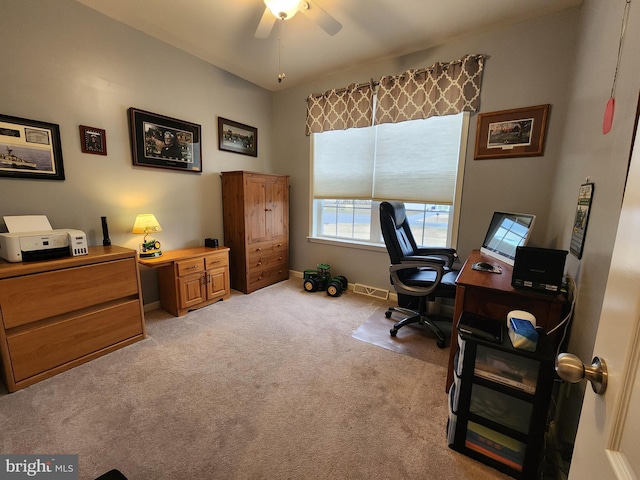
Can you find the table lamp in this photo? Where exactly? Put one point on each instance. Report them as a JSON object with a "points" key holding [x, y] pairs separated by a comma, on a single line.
{"points": [[145, 224]]}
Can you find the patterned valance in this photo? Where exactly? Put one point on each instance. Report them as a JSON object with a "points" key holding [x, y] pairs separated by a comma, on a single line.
{"points": [[442, 89], [339, 109]]}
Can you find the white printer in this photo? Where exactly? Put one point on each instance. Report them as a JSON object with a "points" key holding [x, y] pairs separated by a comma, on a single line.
{"points": [[23, 244]]}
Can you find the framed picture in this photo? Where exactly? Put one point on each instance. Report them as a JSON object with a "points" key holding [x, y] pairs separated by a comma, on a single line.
{"points": [[581, 220], [93, 140], [30, 149], [237, 137], [511, 133], [164, 142]]}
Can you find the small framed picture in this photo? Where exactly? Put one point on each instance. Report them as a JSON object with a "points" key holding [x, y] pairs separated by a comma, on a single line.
{"points": [[93, 140], [581, 220], [237, 137]]}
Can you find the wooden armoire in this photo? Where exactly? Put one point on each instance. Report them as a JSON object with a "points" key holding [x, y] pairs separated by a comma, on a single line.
{"points": [[256, 228]]}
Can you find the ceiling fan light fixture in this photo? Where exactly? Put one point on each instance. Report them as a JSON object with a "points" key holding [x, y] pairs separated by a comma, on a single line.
{"points": [[284, 9]]}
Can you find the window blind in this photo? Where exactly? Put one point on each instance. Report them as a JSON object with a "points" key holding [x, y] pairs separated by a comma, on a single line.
{"points": [[413, 161]]}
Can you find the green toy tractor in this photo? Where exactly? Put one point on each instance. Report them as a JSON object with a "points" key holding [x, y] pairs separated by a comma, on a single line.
{"points": [[321, 279]]}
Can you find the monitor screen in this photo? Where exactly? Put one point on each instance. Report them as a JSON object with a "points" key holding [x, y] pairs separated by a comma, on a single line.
{"points": [[506, 232]]}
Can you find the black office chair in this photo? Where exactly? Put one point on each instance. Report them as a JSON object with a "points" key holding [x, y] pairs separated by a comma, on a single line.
{"points": [[418, 274]]}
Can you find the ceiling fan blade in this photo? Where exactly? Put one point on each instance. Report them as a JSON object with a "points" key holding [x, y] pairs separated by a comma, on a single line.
{"points": [[266, 24], [320, 17]]}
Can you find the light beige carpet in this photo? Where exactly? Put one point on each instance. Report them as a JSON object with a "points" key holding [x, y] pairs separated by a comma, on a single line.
{"points": [[270, 385]]}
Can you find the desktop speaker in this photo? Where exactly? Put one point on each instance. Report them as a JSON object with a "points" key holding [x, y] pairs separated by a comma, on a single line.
{"points": [[538, 269]]}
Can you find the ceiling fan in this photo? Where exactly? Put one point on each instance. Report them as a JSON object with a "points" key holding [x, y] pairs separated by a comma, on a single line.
{"points": [[286, 9]]}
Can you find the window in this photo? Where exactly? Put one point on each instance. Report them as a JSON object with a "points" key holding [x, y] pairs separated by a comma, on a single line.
{"points": [[416, 162]]}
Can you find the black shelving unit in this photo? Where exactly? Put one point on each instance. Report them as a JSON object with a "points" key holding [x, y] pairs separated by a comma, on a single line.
{"points": [[499, 402]]}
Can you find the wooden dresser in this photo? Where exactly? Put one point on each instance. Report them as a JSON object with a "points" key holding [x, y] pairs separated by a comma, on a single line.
{"points": [[256, 228], [191, 278], [57, 314]]}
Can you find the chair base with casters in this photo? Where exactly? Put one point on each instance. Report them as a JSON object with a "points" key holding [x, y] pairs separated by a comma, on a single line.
{"points": [[414, 316]]}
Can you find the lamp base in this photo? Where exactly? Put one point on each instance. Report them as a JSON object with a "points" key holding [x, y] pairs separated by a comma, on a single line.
{"points": [[157, 253]]}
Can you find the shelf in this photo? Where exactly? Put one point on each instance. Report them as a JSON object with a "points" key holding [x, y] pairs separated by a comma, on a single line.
{"points": [[499, 402]]}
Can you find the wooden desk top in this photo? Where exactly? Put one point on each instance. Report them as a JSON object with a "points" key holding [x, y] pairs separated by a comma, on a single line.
{"points": [[496, 281], [170, 256]]}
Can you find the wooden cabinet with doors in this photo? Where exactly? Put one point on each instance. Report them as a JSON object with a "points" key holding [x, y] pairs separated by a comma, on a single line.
{"points": [[191, 278], [256, 228]]}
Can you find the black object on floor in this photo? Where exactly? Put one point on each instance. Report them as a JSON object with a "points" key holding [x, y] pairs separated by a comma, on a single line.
{"points": [[112, 475]]}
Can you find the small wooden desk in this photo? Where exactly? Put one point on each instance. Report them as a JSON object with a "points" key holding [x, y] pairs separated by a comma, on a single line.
{"points": [[191, 278], [491, 295]]}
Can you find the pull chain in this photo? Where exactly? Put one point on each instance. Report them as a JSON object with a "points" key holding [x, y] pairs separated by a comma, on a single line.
{"points": [[280, 48]]}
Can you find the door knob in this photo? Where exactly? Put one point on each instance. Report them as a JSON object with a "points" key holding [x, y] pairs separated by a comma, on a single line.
{"points": [[571, 369]]}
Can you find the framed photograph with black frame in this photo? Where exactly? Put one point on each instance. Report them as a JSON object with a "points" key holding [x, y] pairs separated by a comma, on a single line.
{"points": [[93, 140], [581, 220], [511, 133], [164, 142], [30, 149], [237, 137]]}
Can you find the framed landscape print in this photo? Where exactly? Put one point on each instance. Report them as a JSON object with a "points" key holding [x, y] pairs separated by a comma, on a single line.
{"points": [[164, 142], [511, 133], [237, 137], [30, 149]]}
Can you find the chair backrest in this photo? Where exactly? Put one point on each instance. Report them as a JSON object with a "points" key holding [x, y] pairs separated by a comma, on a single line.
{"points": [[396, 232]]}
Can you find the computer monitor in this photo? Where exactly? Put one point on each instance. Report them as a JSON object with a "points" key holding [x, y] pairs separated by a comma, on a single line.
{"points": [[507, 231]]}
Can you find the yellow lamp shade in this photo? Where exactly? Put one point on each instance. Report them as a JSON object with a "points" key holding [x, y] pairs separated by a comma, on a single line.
{"points": [[146, 223]]}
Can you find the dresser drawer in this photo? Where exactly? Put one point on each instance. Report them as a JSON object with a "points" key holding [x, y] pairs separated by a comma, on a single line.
{"points": [[35, 297], [261, 277], [45, 347], [216, 261], [267, 248], [267, 260], [191, 265]]}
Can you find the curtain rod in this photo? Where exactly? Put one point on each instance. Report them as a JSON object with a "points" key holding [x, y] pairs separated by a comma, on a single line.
{"points": [[372, 83]]}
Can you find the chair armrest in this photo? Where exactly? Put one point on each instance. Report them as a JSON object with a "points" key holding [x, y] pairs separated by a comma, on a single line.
{"points": [[412, 290], [449, 255], [425, 259]]}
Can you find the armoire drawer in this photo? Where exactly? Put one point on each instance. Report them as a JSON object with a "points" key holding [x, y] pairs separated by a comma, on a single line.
{"points": [[266, 276]]}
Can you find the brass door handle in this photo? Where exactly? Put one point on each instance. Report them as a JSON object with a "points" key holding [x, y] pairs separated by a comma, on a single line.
{"points": [[571, 369]]}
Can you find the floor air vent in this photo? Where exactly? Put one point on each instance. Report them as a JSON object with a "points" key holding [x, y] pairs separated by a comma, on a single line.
{"points": [[371, 291]]}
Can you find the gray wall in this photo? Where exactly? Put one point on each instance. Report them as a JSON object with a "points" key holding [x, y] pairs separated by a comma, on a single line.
{"points": [[67, 64]]}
